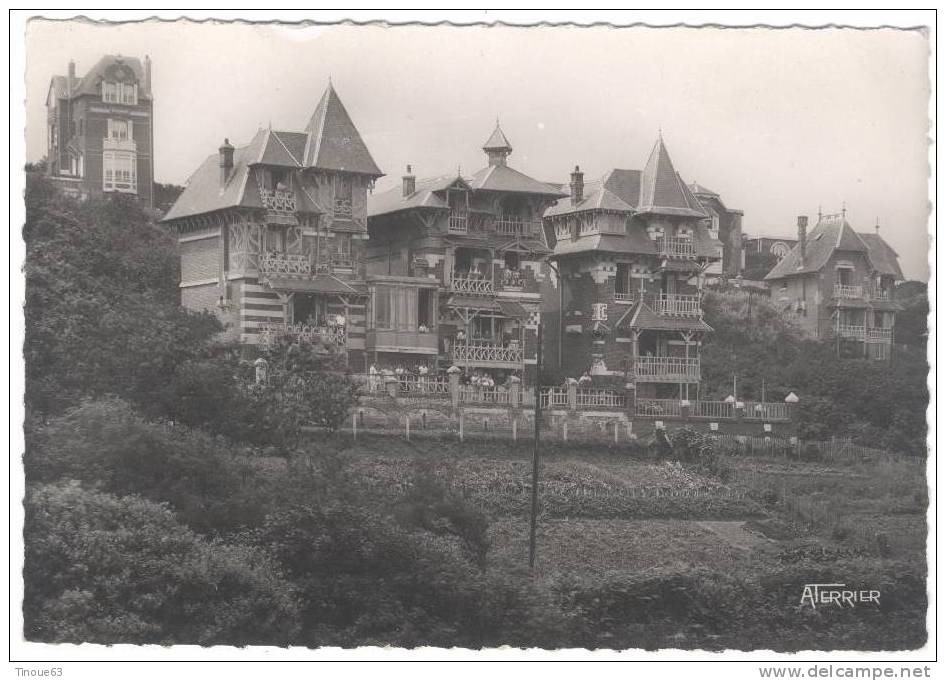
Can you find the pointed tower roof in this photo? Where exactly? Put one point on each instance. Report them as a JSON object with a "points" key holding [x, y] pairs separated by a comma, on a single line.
{"points": [[497, 141], [333, 141], [661, 189]]}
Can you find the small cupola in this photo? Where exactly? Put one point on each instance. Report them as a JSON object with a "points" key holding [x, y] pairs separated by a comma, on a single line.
{"points": [[497, 147]]}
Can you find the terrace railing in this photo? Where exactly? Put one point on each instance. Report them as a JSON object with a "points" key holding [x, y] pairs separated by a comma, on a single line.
{"points": [[676, 247], [457, 224], [878, 334], [767, 411], [423, 385], [852, 331], [270, 332], [667, 368], [554, 398], [474, 352], [284, 263], [591, 399], [713, 410], [471, 285], [678, 305], [472, 394], [655, 407], [623, 297], [844, 291], [875, 293]]}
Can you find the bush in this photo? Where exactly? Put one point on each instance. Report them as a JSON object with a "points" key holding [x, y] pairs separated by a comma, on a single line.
{"points": [[104, 569], [106, 444]]}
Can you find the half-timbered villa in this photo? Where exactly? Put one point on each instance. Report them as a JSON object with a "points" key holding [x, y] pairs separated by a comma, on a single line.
{"points": [[272, 234], [630, 251], [455, 265]]}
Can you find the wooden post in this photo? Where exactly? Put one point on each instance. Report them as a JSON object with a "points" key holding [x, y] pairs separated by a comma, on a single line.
{"points": [[535, 448], [354, 426], [407, 427], [515, 429], [616, 432], [565, 430], [461, 425]]}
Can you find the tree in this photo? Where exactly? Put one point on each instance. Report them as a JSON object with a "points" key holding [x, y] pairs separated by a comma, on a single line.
{"points": [[106, 569]]}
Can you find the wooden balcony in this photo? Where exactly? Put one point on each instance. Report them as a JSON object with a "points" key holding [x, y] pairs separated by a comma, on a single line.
{"points": [[624, 297], [477, 286], [512, 226], [852, 331], [280, 206], [678, 305], [512, 280], [876, 334], [845, 292], [878, 293], [336, 336], [676, 247], [115, 144], [342, 207], [599, 399], [457, 223], [271, 264], [667, 369], [487, 354], [381, 340]]}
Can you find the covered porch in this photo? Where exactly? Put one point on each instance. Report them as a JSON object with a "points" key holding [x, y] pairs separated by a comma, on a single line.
{"points": [[490, 333]]}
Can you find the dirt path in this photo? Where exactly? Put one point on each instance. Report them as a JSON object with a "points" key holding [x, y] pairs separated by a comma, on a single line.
{"points": [[735, 534]]}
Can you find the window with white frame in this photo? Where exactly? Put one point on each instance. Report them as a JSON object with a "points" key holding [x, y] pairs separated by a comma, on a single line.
{"points": [[119, 130], [119, 93], [119, 171], [599, 312]]}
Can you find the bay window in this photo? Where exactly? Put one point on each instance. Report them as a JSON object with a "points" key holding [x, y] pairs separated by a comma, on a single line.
{"points": [[119, 173]]}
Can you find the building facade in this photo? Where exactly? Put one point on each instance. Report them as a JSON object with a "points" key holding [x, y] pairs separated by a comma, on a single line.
{"points": [[839, 285], [273, 234], [725, 225], [760, 254], [100, 134], [630, 254], [455, 266]]}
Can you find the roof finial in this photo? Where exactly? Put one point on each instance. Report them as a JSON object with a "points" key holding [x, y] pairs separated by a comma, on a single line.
{"points": [[459, 172], [877, 224], [843, 208], [660, 133]]}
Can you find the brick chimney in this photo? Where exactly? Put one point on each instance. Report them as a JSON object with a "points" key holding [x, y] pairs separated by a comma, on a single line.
{"points": [[802, 239], [226, 161], [408, 183], [147, 74], [72, 70], [577, 186]]}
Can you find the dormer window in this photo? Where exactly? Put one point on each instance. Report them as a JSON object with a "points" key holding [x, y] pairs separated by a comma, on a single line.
{"points": [[119, 93]]}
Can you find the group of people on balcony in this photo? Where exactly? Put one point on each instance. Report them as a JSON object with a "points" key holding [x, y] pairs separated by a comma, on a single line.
{"points": [[505, 340]]}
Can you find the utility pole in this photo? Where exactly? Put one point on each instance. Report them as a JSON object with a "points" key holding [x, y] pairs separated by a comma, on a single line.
{"points": [[535, 447]]}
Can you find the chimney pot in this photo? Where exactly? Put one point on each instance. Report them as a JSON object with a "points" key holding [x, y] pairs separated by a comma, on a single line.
{"points": [[226, 161], [577, 186], [408, 182], [72, 69], [802, 239]]}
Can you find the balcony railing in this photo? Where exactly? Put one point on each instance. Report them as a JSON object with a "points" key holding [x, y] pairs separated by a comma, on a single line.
{"points": [[676, 247], [659, 369], [878, 293], [457, 224], [342, 207], [476, 394], [598, 399], [284, 263], [879, 335], [303, 333], [713, 410], [848, 292], [342, 261], [471, 285], [653, 407], [479, 352], [508, 226], [512, 279], [678, 305], [553, 397], [624, 297], [279, 201], [852, 331]]}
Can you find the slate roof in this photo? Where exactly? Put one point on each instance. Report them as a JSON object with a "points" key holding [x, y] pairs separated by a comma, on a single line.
{"points": [[832, 233], [89, 84], [662, 190], [502, 178], [425, 196], [595, 197], [330, 142], [882, 257], [636, 241], [497, 140], [333, 141]]}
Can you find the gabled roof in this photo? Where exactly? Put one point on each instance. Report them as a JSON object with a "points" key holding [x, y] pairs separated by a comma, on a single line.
{"points": [[334, 142], [424, 196], [662, 190], [497, 141], [699, 189], [882, 257], [832, 233], [90, 83], [283, 149], [625, 184], [595, 197], [60, 86], [502, 178]]}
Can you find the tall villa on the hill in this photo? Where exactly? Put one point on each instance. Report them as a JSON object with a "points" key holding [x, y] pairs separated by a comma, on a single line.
{"points": [[839, 285], [724, 224], [455, 268], [631, 251], [272, 234], [99, 134]]}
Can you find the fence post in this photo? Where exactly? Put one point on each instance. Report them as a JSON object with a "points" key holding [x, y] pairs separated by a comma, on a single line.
{"points": [[685, 410], [515, 429], [354, 426], [630, 399], [461, 425], [572, 394], [453, 375], [565, 430], [616, 424], [407, 427]]}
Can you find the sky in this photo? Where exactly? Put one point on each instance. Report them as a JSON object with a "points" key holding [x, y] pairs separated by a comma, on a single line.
{"points": [[778, 122]]}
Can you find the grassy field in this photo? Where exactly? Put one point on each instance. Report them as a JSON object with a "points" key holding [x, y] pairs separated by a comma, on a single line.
{"points": [[660, 553]]}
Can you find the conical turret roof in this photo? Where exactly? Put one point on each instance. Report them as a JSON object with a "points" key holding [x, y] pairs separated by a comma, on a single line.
{"points": [[334, 142], [497, 141], [662, 191]]}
